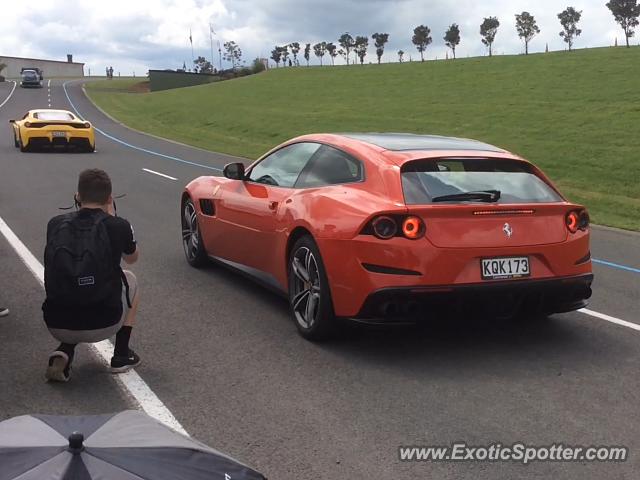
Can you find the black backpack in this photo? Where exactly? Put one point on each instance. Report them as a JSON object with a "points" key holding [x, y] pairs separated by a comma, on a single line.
{"points": [[79, 269]]}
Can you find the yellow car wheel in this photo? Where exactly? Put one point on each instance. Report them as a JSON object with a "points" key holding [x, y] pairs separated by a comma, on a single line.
{"points": [[21, 145]]}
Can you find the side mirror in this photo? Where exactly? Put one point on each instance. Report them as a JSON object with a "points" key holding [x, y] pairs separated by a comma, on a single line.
{"points": [[234, 171], [12, 121]]}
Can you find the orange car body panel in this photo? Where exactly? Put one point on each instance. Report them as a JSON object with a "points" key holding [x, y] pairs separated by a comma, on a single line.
{"points": [[253, 224]]}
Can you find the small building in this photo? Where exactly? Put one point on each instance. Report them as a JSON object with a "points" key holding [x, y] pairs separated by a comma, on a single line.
{"points": [[50, 68]]}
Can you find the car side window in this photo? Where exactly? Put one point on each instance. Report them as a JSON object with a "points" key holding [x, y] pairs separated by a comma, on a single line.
{"points": [[330, 166], [282, 168]]}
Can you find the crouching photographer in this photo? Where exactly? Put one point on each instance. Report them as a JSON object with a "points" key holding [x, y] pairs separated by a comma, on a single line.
{"points": [[89, 298]]}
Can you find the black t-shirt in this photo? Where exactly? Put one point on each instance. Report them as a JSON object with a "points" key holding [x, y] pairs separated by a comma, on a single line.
{"points": [[103, 315]]}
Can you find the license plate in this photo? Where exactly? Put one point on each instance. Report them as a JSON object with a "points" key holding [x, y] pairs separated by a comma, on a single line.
{"points": [[502, 268], [58, 134]]}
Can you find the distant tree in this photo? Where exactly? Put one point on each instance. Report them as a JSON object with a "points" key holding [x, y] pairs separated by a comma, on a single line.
{"points": [[360, 47], [626, 13], [400, 55], [347, 43], [319, 49], [488, 30], [421, 39], [284, 55], [569, 19], [332, 51], [257, 65], [275, 56], [380, 40], [452, 38], [203, 65], [232, 53], [527, 28], [295, 48], [307, 51], [344, 55]]}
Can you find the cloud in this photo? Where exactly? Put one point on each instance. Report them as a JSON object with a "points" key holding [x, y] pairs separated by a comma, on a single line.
{"points": [[143, 34]]}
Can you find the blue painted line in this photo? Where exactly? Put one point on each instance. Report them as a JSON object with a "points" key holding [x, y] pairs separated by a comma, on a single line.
{"points": [[122, 142], [616, 265]]}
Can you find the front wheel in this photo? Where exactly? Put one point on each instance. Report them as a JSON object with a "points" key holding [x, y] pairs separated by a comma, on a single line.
{"points": [[309, 294], [16, 143], [191, 239]]}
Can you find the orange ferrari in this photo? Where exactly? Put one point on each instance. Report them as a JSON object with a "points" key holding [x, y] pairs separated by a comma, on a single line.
{"points": [[390, 227]]}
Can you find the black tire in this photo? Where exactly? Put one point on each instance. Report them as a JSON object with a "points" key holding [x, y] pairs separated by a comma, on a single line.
{"points": [[191, 239], [310, 300], [15, 141], [90, 148], [21, 146]]}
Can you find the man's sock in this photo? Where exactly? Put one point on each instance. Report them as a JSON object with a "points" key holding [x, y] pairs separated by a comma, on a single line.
{"points": [[68, 348], [122, 342]]}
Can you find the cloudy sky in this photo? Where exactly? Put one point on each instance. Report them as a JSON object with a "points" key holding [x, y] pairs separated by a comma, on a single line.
{"points": [[135, 35]]}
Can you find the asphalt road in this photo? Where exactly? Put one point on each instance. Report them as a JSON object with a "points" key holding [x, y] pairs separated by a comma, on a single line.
{"points": [[223, 356]]}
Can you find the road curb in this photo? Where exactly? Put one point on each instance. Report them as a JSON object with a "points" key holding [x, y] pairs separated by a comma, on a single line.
{"points": [[175, 142]]}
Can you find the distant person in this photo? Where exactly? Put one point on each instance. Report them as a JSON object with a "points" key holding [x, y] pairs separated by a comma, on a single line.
{"points": [[289, 62], [89, 298], [4, 311]]}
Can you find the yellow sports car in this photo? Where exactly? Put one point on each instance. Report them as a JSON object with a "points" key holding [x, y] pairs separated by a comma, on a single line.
{"points": [[52, 128]]}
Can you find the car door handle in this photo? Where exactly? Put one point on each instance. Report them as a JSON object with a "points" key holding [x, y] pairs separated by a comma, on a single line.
{"points": [[273, 205]]}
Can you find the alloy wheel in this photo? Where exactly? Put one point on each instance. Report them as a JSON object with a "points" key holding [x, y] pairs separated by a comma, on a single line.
{"points": [[190, 237], [306, 294]]}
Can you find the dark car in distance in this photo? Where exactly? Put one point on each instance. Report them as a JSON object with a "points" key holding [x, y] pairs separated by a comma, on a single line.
{"points": [[30, 78]]}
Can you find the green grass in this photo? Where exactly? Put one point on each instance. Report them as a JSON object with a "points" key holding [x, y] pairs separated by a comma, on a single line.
{"points": [[575, 114]]}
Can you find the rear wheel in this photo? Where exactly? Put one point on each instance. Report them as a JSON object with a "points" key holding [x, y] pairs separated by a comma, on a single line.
{"points": [[309, 294], [90, 148], [15, 141], [22, 147], [191, 239]]}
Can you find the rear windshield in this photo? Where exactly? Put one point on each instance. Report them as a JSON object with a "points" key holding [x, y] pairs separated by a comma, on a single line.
{"points": [[53, 116], [426, 180]]}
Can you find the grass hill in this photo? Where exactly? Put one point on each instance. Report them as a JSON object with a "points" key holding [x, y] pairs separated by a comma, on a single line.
{"points": [[575, 114]]}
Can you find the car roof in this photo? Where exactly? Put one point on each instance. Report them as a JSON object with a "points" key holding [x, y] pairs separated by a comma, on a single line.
{"points": [[38, 110], [402, 142], [408, 146]]}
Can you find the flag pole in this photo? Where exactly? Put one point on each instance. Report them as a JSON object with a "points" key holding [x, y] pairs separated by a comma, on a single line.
{"points": [[191, 41], [211, 33]]}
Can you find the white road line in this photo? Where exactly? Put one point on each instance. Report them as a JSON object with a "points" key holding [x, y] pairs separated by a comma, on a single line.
{"points": [[49, 83], [133, 384], [158, 173], [10, 94], [150, 152], [608, 318]]}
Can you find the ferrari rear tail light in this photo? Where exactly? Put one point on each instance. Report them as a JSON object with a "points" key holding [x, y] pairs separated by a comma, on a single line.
{"points": [[87, 125], [577, 220], [583, 220], [384, 227], [27, 124], [413, 228]]}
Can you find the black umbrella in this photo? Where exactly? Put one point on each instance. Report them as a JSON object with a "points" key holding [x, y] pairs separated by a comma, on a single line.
{"points": [[121, 446]]}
